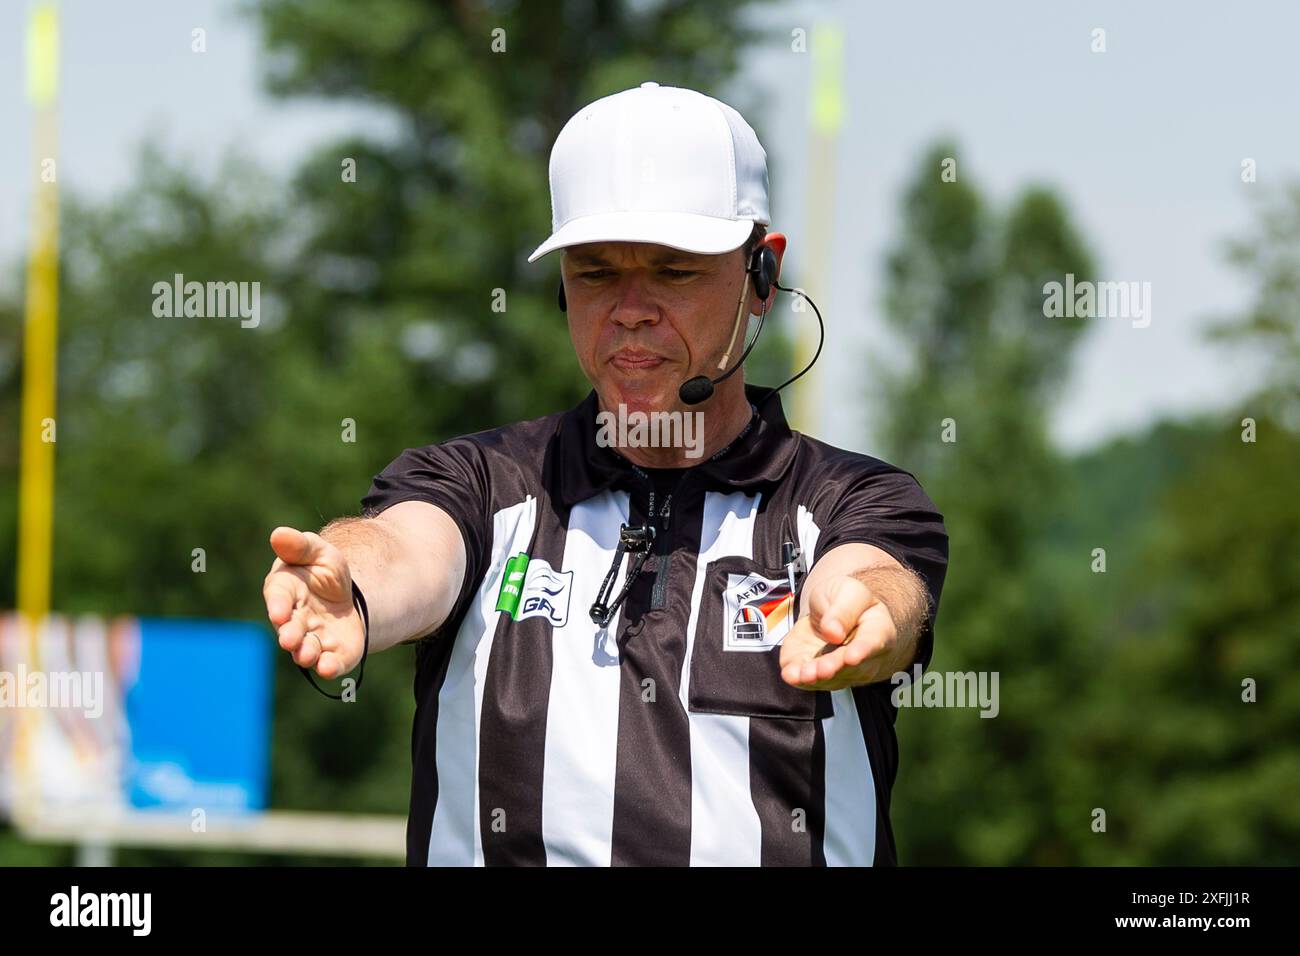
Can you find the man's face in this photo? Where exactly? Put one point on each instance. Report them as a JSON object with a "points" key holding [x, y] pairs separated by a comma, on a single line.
{"points": [[644, 318]]}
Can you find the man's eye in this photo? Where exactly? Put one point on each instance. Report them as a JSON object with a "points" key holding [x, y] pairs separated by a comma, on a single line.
{"points": [[594, 274], [677, 273]]}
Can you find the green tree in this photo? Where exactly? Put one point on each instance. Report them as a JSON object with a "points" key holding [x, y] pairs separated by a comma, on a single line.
{"points": [[1269, 257], [1194, 773], [1189, 772], [982, 366]]}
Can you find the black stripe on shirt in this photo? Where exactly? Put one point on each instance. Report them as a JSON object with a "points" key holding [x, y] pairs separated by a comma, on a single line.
{"points": [[652, 794], [512, 723]]}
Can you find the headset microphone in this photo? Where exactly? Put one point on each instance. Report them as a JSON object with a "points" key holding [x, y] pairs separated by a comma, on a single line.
{"points": [[695, 390], [762, 270], [699, 389]]}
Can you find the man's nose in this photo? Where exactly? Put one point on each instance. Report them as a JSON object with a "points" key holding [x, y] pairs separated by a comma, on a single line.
{"points": [[635, 303]]}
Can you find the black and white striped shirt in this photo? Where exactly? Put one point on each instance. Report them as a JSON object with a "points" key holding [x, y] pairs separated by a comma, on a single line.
{"points": [[667, 737]]}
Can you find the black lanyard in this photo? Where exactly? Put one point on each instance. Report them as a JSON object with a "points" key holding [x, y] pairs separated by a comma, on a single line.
{"points": [[637, 541]]}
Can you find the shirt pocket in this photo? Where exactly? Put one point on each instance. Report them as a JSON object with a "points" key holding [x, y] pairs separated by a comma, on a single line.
{"points": [[745, 612]]}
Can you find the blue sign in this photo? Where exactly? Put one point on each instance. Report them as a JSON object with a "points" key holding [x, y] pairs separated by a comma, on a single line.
{"points": [[199, 714]]}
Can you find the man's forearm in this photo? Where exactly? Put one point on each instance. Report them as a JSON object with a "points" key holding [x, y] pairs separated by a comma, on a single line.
{"points": [[903, 592], [409, 591]]}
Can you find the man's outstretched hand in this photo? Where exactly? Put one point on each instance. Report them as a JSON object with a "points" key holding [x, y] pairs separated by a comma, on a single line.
{"points": [[847, 638], [308, 594]]}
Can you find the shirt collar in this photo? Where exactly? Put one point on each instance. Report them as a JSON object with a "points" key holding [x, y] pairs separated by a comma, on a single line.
{"points": [[761, 454]]}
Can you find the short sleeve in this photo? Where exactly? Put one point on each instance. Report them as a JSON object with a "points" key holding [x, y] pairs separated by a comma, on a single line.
{"points": [[890, 510], [452, 476]]}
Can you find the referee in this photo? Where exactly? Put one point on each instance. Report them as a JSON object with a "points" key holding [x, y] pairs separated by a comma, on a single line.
{"points": [[632, 650]]}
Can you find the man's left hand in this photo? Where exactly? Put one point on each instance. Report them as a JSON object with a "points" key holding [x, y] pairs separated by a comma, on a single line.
{"points": [[847, 638]]}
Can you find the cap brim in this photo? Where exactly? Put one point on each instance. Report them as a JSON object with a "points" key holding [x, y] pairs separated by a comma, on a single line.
{"points": [[706, 235]]}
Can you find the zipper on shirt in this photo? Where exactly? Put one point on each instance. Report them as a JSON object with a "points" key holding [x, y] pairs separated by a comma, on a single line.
{"points": [[658, 597], [661, 518]]}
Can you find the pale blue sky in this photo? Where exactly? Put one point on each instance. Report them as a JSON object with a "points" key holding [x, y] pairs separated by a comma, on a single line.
{"points": [[1145, 141]]}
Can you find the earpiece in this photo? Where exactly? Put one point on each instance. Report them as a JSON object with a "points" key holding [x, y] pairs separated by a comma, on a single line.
{"points": [[762, 268]]}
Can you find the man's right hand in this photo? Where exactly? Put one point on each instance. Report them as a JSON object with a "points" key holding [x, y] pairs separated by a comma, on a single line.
{"points": [[308, 594]]}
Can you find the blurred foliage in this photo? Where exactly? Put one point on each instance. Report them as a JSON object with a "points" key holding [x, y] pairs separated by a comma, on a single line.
{"points": [[1270, 261], [965, 295], [1160, 736], [1119, 690]]}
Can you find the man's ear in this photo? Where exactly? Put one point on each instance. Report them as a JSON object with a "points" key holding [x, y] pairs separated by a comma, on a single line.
{"points": [[776, 241]]}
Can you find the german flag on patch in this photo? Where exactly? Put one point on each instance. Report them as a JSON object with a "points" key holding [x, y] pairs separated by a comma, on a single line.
{"points": [[758, 612]]}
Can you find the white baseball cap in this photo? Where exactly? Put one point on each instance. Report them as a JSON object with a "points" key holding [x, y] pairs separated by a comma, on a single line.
{"points": [[657, 164]]}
